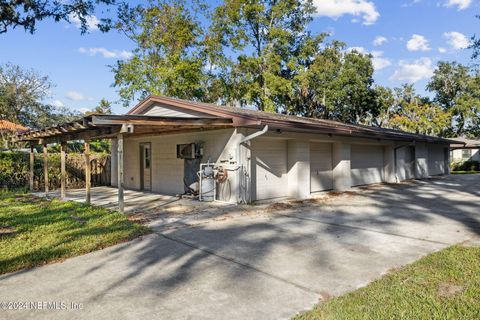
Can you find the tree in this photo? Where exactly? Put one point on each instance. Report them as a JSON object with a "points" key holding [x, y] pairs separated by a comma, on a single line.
{"points": [[21, 94], [103, 107], [333, 83], [26, 13], [457, 90], [168, 58], [263, 36], [404, 110]]}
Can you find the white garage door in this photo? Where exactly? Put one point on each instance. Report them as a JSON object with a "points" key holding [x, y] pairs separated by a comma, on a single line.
{"points": [[366, 164], [270, 156], [436, 160], [409, 163], [321, 174]]}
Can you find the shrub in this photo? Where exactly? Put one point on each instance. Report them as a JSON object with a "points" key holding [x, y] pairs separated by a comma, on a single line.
{"points": [[15, 170], [470, 165]]}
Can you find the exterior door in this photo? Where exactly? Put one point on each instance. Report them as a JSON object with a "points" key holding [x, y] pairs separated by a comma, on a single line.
{"points": [[145, 166]]}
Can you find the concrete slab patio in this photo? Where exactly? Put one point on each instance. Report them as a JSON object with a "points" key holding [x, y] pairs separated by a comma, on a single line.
{"points": [[255, 262]]}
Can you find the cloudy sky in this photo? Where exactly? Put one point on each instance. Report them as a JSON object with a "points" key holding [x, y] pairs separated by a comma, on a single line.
{"points": [[406, 38]]}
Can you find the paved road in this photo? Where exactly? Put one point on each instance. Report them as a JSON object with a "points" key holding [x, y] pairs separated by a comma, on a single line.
{"points": [[244, 266]]}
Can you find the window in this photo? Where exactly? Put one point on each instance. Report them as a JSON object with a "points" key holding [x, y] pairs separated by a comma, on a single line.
{"points": [[147, 158], [466, 153]]}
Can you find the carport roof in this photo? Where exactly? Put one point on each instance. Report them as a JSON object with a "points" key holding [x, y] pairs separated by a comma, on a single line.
{"points": [[252, 118], [98, 126]]}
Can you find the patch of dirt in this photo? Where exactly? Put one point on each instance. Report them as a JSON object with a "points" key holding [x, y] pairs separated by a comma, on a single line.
{"points": [[7, 231], [473, 242], [278, 206], [138, 217], [449, 290]]}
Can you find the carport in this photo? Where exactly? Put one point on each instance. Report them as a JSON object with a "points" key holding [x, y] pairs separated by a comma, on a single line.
{"points": [[114, 127]]}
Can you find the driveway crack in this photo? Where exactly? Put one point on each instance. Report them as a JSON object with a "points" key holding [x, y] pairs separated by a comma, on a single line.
{"points": [[237, 262]]}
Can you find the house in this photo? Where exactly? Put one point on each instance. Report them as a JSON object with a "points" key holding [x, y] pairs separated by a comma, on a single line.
{"points": [[7, 129], [465, 150], [161, 144]]}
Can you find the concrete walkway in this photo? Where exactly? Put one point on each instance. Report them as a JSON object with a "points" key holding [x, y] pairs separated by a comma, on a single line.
{"points": [[259, 262]]}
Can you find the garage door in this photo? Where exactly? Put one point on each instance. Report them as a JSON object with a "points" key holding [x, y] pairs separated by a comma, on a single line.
{"points": [[409, 163], [271, 168], [405, 164], [366, 164], [321, 174], [436, 160]]}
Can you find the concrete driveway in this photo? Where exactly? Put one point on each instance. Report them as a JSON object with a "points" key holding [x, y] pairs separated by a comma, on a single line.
{"points": [[255, 262]]}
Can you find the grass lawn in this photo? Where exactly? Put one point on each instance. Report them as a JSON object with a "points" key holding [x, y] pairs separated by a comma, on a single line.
{"points": [[443, 285], [35, 231], [464, 172]]}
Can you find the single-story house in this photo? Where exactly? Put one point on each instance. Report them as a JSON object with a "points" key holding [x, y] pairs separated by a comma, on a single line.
{"points": [[161, 144], [465, 150]]}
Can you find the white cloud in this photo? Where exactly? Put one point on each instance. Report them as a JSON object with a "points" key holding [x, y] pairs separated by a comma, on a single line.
{"points": [[413, 71], [456, 40], [379, 40], [92, 22], [358, 49], [120, 54], [334, 9], [57, 103], [442, 50], [84, 110], [379, 62], [460, 4], [417, 43], [76, 96]]}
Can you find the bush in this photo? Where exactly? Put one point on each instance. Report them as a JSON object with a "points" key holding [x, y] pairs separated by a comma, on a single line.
{"points": [[15, 170], [470, 165]]}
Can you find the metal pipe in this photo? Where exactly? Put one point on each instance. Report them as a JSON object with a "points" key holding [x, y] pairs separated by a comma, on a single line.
{"points": [[240, 164], [254, 135]]}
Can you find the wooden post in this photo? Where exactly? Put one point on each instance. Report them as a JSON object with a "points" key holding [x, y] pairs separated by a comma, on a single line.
{"points": [[120, 171], [88, 174], [32, 163], [45, 168], [63, 175]]}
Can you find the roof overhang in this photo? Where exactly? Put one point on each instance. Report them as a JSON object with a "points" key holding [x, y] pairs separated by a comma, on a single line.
{"points": [[257, 119], [108, 126]]}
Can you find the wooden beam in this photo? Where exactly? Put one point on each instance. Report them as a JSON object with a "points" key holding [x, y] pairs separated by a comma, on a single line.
{"points": [[45, 168], [32, 164], [88, 174], [63, 174], [120, 172]]}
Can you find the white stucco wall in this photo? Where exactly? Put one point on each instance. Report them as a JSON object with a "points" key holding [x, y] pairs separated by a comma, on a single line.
{"points": [[167, 169]]}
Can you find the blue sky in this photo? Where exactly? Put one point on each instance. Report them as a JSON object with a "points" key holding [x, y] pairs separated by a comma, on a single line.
{"points": [[411, 37]]}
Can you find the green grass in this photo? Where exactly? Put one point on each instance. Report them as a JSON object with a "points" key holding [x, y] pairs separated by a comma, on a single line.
{"points": [[416, 291], [36, 231], [465, 172]]}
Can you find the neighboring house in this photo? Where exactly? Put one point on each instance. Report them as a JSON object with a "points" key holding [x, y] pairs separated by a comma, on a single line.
{"points": [[465, 150], [159, 144], [7, 129]]}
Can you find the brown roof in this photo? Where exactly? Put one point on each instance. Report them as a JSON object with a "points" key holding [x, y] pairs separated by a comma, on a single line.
{"points": [[465, 143], [254, 118], [10, 126]]}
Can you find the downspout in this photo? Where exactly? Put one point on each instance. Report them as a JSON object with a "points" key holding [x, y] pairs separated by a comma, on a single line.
{"points": [[242, 198]]}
